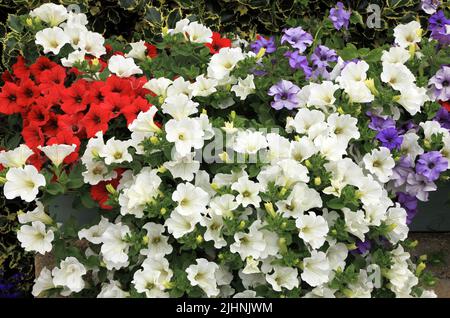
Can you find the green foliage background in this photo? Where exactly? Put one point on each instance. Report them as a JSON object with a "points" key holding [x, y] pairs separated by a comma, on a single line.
{"points": [[137, 19]]}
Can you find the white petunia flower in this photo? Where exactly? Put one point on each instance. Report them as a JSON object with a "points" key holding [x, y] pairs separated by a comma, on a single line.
{"points": [[355, 223], [138, 50], [180, 86], [179, 106], [158, 86], [251, 244], [35, 238], [112, 290], [312, 228], [185, 133], [72, 58], [93, 43], [244, 87], [144, 190], [43, 282], [148, 282], [408, 34], [395, 55], [116, 151], [157, 245], [179, 225], [38, 214], [396, 218], [397, 75], [96, 171], [15, 158], [322, 95], [380, 163], [344, 127], [203, 275], [301, 199], [23, 182], [191, 200], [412, 98], [114, 248], [52, 39], [95, 232], [203, 86], [222, 63], [183, 167], [57, 153], [214, 224], [249, 142], [283, 277], [198, 33], [123, 66], [69, 275], [248, 192], [50, 13], [316, 269]]}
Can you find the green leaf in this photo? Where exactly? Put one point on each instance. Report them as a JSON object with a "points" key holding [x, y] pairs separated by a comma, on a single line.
{"points": [[14, 23], [54, 188]]}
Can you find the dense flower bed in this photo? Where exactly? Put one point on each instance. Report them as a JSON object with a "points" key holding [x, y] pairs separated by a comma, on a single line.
{"points": [[279, 168]]}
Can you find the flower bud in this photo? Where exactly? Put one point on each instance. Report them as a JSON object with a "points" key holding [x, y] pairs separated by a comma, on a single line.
{"points": [[145, 240], [154, 140], [420, 268], [317, 181], [110, 188], [269, 208], [370, 83], [261, 53], [163, 211], [199, 239]]}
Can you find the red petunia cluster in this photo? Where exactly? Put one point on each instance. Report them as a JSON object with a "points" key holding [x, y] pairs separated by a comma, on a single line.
{"points": [[56, 109]]}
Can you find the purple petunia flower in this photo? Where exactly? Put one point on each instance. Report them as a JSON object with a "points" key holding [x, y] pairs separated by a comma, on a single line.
{"points": [[443, 117], [262, 42], [419, 186], [389, 138], [322, 56], [401, 171], [409, 203], [362, 247], [430, 6], [297, 61], [431, 164], [379, 123], [285, 95], [440, 82], [408, 125], [339, 16], [438, 24], [297, 38]]}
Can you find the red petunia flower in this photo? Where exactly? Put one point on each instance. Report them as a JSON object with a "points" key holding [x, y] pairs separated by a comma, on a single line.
{"points": [[42, 64], [100, 194], [33, 136], [152, 51], [95, 93], [38, 115], [67, 138], [137, 85], [52, 79], [7, 77], [114, 103], [51, 128], [217, 43], [37, 159], [446, 105], [96, 120], [75, 98], [134, 108], [71, 123], [20, 69], [9, 99], [28, 92], [115, 84]]}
